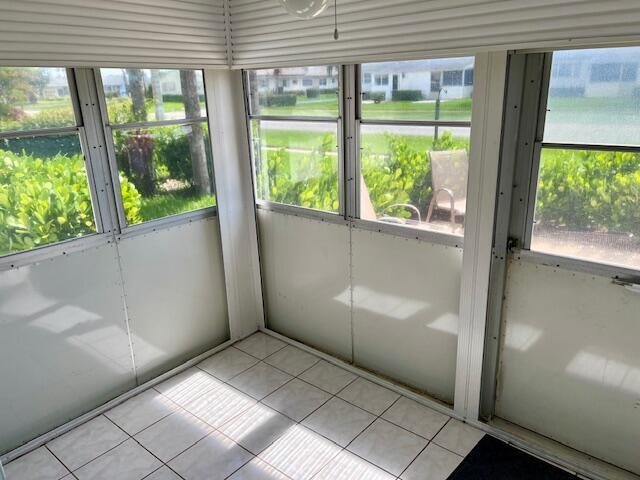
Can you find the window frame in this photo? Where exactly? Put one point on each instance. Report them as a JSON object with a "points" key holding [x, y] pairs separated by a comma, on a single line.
{"points": [[297, 210], [531, 136], [124, 229], [82, 105], [409, 231]]}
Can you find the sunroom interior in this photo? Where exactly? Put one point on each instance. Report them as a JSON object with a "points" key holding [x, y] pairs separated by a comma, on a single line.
{"points": [[295, 239]]}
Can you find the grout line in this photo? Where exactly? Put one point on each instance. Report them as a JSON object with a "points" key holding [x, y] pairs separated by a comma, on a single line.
{"points": [[57, 458]]}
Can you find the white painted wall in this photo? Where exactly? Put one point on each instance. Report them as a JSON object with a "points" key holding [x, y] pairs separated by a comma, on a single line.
{"points": [[570, 361], [64, 330], [405, 310]]}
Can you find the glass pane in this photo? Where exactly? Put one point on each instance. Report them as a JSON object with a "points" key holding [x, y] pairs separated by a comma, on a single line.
{"points": [[297, 163], [164, 170], [418, 90], [44, 192], [295, 91], [402, 167], [144, 95], [594, 97], [34, 98], [588, 206]]}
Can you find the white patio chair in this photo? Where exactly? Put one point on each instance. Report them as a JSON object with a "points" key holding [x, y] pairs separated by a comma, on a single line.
{"points": [[449, 170]]}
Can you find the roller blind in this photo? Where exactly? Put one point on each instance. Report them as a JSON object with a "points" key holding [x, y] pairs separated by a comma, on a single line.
{"points": [[113, 32], [263, 34]]}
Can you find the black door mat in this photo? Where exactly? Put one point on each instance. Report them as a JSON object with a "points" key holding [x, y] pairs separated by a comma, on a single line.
{"points": [[492, 459]]}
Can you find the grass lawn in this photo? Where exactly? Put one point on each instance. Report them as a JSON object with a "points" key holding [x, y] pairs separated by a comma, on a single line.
{"points": [[165, 204], [327, 105], [374, 142]]}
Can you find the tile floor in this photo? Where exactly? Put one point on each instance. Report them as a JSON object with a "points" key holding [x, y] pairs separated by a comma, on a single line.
{"points": [[260, 409]]}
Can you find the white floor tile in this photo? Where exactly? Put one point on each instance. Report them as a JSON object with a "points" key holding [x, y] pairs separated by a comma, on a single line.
{"points": [[296, 399], [458, 437], [215, 457], [257, 428], [128, 461], [256, 469], [434, 463], [347, 466], [300, 453], [173, 435], [163, 473], [260, 345], [219, 406], [328, 377], [339, 421], [365, 394], [40, 464], [188, 386], [292, 360], [227, 363], [139, 412], [86, 442], [260, 380], [388, 446], [417, 418]]}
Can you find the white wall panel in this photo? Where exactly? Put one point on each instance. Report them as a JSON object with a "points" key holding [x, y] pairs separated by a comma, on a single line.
{"points": [[570, 361], [305, 274], [405, 310], [113, 32], [175, 292], [64, 347], [264, 34]]}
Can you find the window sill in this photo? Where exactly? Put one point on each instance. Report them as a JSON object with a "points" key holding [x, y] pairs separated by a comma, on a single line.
{"points": [[167, 222], [431, 236]]}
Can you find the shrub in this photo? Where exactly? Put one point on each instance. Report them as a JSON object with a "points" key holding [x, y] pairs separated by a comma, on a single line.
{"points": [[46, 200], [324, 91], [178, 98], [278, 100], [406, 95], [377, 97], [313, 93]]}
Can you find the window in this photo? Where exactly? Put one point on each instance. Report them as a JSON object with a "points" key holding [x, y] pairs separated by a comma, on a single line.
{"points": [[161, 142], [307, 82], [296, 160], [588, 186], [415, 174], [44, 190], [367, 78], [382, 80], [452, 78], [468, 78], [323, 82]]}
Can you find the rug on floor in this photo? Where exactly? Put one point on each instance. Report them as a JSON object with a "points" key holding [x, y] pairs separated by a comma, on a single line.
{"points": [[493, 459]]}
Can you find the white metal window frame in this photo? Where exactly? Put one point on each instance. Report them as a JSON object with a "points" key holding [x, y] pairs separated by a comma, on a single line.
{"points": [[96, 141], [409, 231], [523, 217], [124, 229], [297, 210]]}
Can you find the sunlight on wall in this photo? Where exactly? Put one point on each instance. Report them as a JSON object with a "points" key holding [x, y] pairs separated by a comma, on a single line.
{"points": [[520, 336], [381, 303], [606, 372]]}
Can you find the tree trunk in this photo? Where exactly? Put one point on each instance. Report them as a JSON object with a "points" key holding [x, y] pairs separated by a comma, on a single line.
{"points": [[156, 88], [140, 143], [201, 181]]}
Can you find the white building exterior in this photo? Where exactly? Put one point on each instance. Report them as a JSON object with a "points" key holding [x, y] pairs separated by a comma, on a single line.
{"points": [[297, 79]]}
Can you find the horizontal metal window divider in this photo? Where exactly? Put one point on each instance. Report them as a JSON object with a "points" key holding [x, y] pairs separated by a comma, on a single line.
{"points": [[284, 118], [49, 252], [167, 222], [417, 123], [591, 146], [439, 238], [302, 212], [576, 264], [40, 132], [159, 123]]}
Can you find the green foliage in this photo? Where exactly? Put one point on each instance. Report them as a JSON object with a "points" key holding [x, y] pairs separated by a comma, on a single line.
{"points": [[178, 98], [406, 95], [377, 97], [17, 85], [167, 204], [313, 93], [307, 180], [589, 190], [278, 100]]}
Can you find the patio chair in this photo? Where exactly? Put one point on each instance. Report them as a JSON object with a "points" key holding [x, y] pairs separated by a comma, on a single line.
{"points": [[449, 170]]}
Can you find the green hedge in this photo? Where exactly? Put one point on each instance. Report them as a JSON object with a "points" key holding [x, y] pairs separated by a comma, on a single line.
{"points": [[46, 200], [313, 93], [406, 95], [278, 100], [177, 98]]}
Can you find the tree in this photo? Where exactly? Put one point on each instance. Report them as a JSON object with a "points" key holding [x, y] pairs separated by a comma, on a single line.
{"points": [[156, 88], [140, 142], [15, 87], [191, 99]]}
